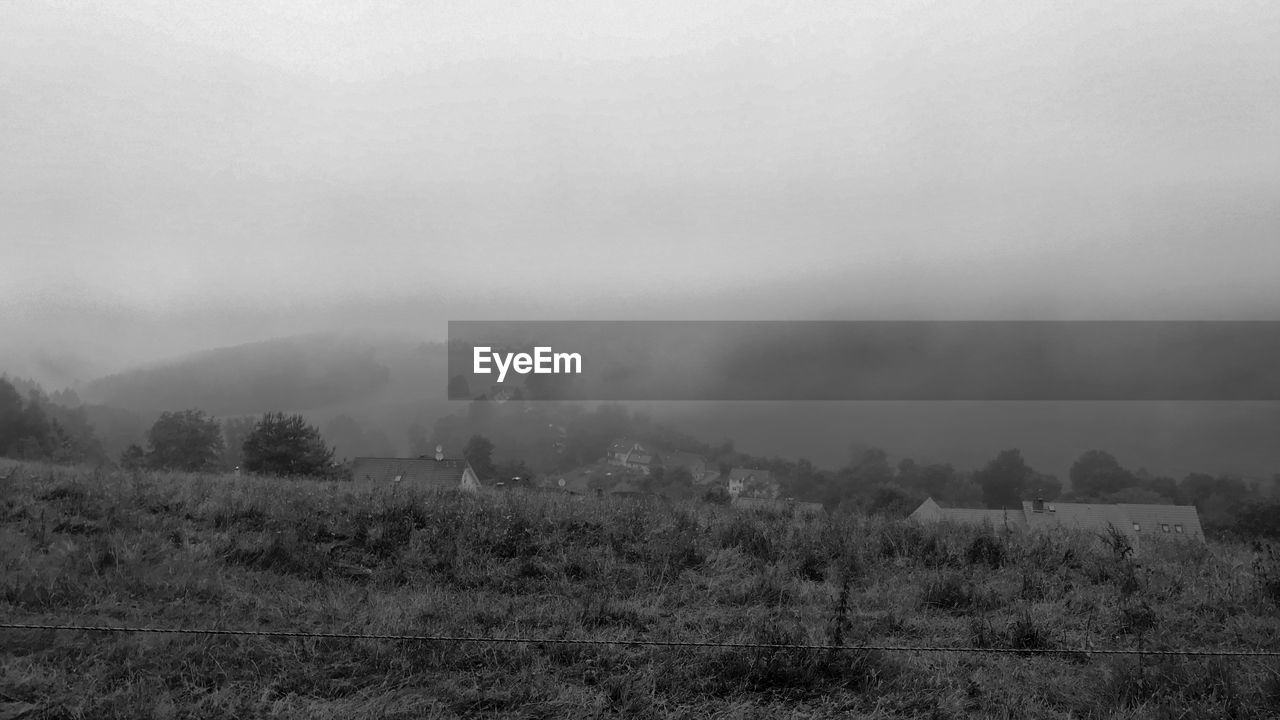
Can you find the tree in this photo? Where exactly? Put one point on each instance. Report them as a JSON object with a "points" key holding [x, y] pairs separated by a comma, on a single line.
{"points": [[133, 458], [186, 440], [1137, 496], [286, 445], [1042, 487], [1096, 473], [11, 419], [479, 452], [718, 495], [1003, 480], [40, 429], [680, 476], [892, 501], [870, 467]]}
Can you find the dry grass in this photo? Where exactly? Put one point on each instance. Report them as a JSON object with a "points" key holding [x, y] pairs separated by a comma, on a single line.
{"points": [[192, 551]]}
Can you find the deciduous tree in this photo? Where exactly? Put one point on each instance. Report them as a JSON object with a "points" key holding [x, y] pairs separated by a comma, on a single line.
{"points": [[286, 445], [479, 452], [1004, 479], [186, 440]]}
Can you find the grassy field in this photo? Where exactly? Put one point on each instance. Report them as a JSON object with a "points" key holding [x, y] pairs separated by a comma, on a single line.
{"points": [[90, 547]]}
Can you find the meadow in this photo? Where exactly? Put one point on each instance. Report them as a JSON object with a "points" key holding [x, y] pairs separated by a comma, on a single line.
{"points": [[95, 547]]}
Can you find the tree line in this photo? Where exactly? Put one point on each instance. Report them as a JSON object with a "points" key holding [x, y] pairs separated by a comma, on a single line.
{"points": [[519, 439], [35, 427], [192, 441]]}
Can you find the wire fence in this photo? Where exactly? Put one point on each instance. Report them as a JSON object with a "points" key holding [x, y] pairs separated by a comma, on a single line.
{"points": [[464, 639]]}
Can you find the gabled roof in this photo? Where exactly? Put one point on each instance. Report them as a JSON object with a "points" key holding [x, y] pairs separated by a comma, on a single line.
{"points": [[1095, 517], [1150, 519], [419, 471], [624, 445], [745, 474], [931, 511], [1086, 516]]}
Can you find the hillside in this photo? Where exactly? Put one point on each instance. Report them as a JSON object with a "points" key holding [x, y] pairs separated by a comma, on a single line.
{"points": [[300, 373], [250, 554], [389, 383]]}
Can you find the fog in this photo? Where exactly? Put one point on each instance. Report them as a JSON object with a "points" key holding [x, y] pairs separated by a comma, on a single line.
{"points": [[179, 178]]}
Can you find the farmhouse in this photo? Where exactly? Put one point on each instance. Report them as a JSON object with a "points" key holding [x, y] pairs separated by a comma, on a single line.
{"points": [[631, 454], [1135, 522], [752, 483], [432, 472]]}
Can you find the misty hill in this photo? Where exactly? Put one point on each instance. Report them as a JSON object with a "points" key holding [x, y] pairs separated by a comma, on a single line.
{"points": [[390, 383], [298, 373], [1171, 438]]}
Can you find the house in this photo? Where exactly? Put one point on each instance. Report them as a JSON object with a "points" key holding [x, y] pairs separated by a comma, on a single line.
{"points": [[633, 455], [752, 483], [1135, 522], [695, 464], [787, 506], [426, 471]]}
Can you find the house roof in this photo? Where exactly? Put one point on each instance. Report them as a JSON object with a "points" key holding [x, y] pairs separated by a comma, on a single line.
{"points": [[1096, 517], [420, 471], [747, 473], [1086, 516], [930, 510], [1153, 516], [622, 445]]}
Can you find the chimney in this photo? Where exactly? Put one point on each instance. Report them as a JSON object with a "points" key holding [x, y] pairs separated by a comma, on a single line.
{"points": [[1037, 505]]}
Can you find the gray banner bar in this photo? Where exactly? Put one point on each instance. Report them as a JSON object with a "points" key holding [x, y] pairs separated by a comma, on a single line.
{"points": [[713, 360]]}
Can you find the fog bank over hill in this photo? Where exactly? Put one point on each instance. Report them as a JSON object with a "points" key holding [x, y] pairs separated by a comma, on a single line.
{"points": [[388, 383], [1165, 438], [246, 207]]}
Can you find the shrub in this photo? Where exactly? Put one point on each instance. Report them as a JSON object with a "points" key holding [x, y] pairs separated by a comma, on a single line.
{"points": [[746, 535], [1266, 573], [286, 445], [986, 550], [1025, 634], [955, 593]]}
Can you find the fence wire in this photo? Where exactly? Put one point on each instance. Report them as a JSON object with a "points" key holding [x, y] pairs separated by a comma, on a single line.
{"points": [[464, 639]]}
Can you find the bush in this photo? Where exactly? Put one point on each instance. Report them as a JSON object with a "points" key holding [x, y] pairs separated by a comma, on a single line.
{"points": [[986, 550], [746, 535], [954, 592], [286, 446]]}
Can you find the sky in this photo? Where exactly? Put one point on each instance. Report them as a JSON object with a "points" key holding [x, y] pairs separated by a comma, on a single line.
{"points": [[182, 175]]}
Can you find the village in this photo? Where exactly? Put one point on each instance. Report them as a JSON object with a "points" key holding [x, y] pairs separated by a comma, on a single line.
{"points": [[636, 470]]}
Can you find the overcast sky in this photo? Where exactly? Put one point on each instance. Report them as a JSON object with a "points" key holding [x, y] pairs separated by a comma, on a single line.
{"points": [[265, 169]]}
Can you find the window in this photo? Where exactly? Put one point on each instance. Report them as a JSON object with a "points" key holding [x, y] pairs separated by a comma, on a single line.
{"points": [[397, 478], [1177, 528], [1137, 527], [1164, 527]]}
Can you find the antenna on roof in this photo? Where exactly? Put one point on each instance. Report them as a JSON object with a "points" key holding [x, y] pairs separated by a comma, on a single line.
{"points": [[439, 452]]}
